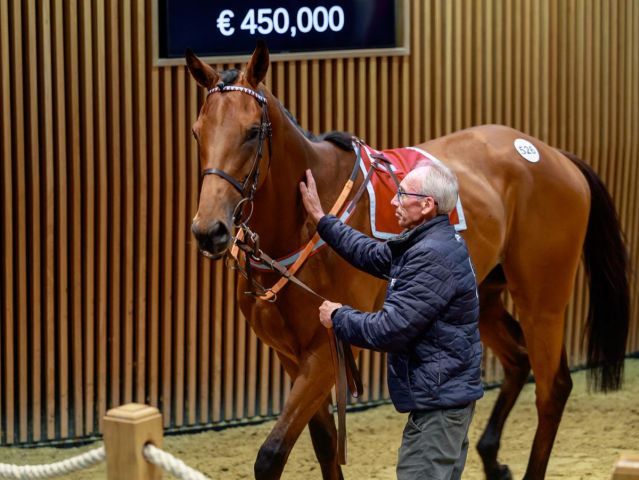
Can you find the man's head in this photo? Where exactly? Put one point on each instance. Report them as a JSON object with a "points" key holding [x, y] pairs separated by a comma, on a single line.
{"points": [[424, 193]]}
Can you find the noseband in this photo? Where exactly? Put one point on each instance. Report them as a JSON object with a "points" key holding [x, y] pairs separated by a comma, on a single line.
{"points": [[248, 185]]}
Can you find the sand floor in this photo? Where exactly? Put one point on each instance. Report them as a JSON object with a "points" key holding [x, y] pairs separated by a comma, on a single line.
{"points": [[594, 430]]}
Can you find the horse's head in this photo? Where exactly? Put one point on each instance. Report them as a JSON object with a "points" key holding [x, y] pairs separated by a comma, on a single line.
{"points": [[233, 133]]}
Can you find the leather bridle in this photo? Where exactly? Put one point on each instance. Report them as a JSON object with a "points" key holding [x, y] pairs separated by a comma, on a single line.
{"points": [[247, 186]]}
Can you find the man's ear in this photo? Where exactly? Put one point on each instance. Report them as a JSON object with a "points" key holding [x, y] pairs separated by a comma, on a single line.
{"points": [[433, 204], [428, 202], [257, 66], [205, 75]]}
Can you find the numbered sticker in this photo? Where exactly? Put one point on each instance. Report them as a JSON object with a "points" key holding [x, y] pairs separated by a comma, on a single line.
{"points": [[527, 150]]}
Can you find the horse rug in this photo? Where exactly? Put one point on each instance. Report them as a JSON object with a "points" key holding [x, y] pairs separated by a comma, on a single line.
{"points": [[382, 188]]}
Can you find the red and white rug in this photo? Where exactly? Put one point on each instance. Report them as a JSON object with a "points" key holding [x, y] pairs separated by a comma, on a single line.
{"points": [[381, 189]]}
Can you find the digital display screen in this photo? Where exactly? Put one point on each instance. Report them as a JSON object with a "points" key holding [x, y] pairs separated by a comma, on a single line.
{"points": [[223, 28]]}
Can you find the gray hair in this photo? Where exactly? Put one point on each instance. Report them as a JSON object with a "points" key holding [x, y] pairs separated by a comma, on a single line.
{"points": [[438, 181]]}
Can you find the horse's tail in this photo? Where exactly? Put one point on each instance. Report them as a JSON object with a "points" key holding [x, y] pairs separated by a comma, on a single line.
{"points": [[608, 267]]}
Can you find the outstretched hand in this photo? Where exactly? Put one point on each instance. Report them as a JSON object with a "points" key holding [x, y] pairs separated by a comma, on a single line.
{"points": [[310, 198]]}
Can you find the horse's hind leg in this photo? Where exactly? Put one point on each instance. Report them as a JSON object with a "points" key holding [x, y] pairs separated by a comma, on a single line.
{"points": [[553, 383], [501, 332], [540, 289]]}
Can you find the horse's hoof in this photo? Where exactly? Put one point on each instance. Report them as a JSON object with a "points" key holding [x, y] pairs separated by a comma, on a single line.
{"points": [[502, 472]]}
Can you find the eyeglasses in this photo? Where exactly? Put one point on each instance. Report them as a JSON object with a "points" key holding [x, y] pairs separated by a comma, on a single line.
{"points": [[401, 193]]}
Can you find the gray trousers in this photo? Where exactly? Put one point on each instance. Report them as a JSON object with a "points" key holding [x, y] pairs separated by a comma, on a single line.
{"points": [[435, 444]]}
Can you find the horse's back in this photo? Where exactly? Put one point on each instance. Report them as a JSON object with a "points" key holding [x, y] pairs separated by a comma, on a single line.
{"points": [[509, 201]]}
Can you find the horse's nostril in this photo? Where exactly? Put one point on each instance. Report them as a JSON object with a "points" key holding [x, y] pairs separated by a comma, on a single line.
{"points": [[213, 240], [218, 229], [219, 233]]}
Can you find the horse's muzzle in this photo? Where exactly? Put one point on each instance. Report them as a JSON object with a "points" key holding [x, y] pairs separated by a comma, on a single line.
{"points": [[213, 241]]}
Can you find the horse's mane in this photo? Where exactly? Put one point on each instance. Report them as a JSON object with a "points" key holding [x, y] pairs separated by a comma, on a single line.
{"points": [[341, 140]]}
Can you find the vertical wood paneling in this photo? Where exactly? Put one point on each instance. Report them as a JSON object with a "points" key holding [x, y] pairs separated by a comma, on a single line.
{"points": [[76, 200], [216, 380], [416, 75], [142, 193], [205, 345], [229, 349], [251, 377], [19, 157], [264, 380], [128, 179], [34, 354], [7, 302], [153, 108], [166, 233], [180, 230], [385, 111], [48, 166], [195, 349], [104, 297], [115, 204], [339, 96], [62, 220], [350, 95], [88, 217], [102, 212]]}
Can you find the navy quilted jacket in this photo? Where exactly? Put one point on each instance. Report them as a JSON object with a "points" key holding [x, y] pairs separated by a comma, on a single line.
{"points": [[429, 321]]}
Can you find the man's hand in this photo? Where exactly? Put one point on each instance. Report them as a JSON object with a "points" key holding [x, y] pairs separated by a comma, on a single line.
{"points": [[311, 198], [325, 311]]}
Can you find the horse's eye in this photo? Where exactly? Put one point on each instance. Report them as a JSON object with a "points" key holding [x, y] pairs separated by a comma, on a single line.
{"points": [[252, 133]]}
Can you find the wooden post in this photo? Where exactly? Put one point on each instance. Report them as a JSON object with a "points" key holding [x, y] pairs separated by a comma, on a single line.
{"points": [[126, 430], [626, 467]]}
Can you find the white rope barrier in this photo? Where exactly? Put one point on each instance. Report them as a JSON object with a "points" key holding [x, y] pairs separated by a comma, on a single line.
{"points": [[79, 462], [171, 464]]}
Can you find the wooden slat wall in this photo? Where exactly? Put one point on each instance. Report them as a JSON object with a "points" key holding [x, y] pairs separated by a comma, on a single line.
{"points": [[103, 297]]}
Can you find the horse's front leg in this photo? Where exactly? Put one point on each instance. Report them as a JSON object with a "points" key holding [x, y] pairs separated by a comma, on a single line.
{"points": [[324, 438], [322, 430], [308, 393]]}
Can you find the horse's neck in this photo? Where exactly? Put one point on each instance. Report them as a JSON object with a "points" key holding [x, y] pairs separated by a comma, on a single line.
{"points": [[279, 215]]}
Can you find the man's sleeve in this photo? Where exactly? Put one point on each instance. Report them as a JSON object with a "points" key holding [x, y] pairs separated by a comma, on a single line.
{"points": [[359, 250], [414, 300]]}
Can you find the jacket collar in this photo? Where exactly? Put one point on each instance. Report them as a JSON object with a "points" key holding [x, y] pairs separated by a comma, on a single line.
{"points": [[408, 238]]}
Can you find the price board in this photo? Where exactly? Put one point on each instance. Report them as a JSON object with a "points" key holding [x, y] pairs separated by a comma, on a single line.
{"points": [[225, 31]]}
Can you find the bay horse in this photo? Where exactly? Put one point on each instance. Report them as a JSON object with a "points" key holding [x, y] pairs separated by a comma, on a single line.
{"points": [[528, 224]]}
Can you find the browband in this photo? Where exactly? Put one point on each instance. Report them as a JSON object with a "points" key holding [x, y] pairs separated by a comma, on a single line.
{"points": [[223, 88]]}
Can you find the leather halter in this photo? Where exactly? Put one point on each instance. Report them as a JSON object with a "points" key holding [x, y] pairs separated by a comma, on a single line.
{"points": [[265, 132]]}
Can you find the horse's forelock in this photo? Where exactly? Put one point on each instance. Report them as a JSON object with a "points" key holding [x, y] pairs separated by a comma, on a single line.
{"points": [[229, 77]]}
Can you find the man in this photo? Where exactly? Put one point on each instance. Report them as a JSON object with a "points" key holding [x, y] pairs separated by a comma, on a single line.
{"points": [[428, 323]]}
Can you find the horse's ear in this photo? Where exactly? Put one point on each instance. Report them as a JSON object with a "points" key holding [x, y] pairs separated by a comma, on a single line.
{"points": [[203, 74], [258, 64]]}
